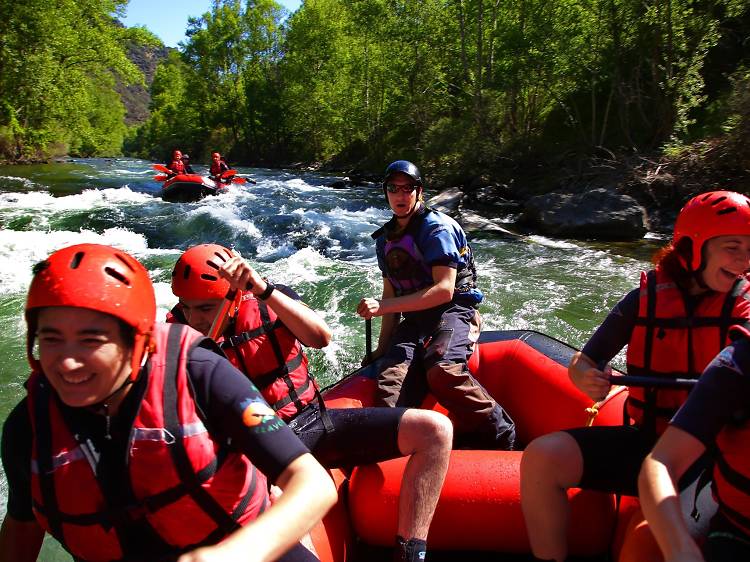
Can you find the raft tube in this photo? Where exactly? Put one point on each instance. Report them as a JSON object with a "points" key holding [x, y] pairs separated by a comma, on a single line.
{"points": [[188, 188], [479, 507]]}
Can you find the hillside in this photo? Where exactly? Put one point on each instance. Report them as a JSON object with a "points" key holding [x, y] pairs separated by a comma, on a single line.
{"points": [[136, 98]]}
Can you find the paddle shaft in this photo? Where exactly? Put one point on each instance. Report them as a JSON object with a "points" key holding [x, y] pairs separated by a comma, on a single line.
{"points": [[368, 339], [653, 382], [226, 306]]}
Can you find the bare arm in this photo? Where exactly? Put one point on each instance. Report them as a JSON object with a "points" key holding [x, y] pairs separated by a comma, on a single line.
{"points": [[306, 325], [440, 292], [20, 541], [308, 494], [672, 455], [588, 378]]}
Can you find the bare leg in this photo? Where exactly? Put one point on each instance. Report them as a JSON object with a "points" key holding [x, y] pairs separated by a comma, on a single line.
{"points": [[550, 465], [426, 436]]}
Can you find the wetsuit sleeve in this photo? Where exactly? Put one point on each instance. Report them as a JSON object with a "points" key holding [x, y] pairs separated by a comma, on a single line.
{"points": [[16, 453], [233, 408], [720, 396], [614, 333]]}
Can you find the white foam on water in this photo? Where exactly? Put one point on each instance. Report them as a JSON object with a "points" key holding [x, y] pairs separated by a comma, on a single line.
{"points": [[42, 201], [20, 251], [297, 184], [226, 212], [552, 243], [165, 300]]}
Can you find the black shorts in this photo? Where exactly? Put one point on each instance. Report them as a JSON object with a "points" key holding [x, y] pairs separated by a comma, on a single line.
{"points": [[725, 542], [612, 458], [360, 435]]}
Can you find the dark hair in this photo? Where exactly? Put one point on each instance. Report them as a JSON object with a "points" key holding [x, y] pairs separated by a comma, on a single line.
{"points": [[672, 259]]}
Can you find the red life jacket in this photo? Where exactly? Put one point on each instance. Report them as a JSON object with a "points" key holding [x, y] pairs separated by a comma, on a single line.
{"points": [[731, 473], [188, 488], [669, 341], [217, 168], [177, 167], [271, 356]]}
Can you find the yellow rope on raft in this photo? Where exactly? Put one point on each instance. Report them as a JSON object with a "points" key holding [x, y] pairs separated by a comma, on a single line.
{"points": [[593, 410]]}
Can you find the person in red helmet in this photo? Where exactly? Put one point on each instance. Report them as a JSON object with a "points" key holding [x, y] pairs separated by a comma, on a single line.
{"points": [[177, 166], [136, 441], [218, 166], [264, 338], [673, 325]]}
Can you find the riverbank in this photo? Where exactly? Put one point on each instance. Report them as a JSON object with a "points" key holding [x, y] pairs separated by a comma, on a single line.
{"points": [[659, 182]]}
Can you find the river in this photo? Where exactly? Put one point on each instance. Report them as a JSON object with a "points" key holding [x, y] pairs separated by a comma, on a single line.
{"points": [[296, 231]]}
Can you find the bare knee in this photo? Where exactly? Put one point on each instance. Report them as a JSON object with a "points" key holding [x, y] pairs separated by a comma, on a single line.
{"points": [[554, 458], [421, 430]]}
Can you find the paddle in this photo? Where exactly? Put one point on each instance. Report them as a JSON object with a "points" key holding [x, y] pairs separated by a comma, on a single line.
{"points": [[228, 174], [654, 382], [163, 177], [162, 168], [368, 340], [231, 300]]}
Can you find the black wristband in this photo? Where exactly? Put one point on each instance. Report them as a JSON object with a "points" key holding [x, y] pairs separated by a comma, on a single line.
{"points": [[270, 287]]}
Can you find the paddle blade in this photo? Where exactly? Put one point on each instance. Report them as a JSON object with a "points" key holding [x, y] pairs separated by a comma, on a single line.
{"points": [[238, 180], [228, 174], [161, 178], [161, 168]]}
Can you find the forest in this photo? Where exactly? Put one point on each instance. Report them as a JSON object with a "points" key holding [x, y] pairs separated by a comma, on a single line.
{"points": [[458, 85]]}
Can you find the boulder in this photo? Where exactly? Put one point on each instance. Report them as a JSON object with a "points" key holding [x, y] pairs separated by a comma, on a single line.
{"points": [[599, 213], [446, 201]]}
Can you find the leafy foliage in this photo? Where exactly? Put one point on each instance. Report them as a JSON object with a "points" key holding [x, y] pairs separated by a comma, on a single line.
{"points": [[454, 84], [57, 63]]}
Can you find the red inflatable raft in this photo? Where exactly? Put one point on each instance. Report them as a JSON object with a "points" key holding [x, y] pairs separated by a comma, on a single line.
{"points": [[479, 507], [187, 188]]}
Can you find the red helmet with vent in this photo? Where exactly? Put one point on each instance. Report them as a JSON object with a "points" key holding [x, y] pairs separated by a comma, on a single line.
{"points": [[705, 216], [100, 278], [196, 274]]}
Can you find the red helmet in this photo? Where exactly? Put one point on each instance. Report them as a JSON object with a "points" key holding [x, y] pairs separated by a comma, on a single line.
{"points": [[216, 155], [195, 275], [99, 278], [705, 216]]}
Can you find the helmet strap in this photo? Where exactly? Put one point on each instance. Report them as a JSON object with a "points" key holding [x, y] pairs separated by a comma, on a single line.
{"points": [[105, 405]]}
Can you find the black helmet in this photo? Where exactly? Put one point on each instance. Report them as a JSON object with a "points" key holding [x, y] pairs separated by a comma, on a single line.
{"points": [[404, 167], [186, 156]]}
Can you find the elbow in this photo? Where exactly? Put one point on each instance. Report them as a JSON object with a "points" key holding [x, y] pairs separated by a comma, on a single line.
{"points": [[320, 338], [325, 336], [444, 294]]}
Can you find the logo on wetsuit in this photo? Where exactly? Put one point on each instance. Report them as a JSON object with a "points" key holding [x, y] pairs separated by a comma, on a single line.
{"points": [[259, 415]]}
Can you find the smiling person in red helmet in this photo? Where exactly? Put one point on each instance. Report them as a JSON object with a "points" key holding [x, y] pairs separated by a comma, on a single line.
{"points": [[264, 340], [673, 326], [177, 166], [218, 166], [135, 441]]}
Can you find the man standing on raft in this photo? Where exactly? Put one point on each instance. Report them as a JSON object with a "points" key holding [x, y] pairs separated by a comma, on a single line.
{"points": [[263, 340], [429, 278]]}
